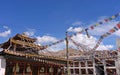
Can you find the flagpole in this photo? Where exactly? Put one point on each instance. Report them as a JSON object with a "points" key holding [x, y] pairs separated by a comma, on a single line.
{"points": [[67, 54]]}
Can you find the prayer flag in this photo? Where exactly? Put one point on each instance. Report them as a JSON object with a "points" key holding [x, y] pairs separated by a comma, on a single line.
{"points": [[100, 22], [119, 49], [86, 29], [106, 20], [112, 30], [115, 28], [118, 25], [108, 33], [92, 27], [105, 35], [113, 17], [101, 37], [79, 32], [61, 40], [50, 45], [74, 34], [70, 36], [97, 24], [96, 46], [110, 18]]}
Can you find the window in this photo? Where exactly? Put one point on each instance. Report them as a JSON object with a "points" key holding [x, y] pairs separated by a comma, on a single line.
{"points": [[90, 64], [83, 71], [110, 63], [90, 71], [82, 64], [76, 71], [71, 70], [76, 64], [71, 64]]}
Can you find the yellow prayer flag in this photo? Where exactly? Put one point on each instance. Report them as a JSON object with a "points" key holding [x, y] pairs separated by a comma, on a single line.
{"points": [[113, 17], [97, 24]]}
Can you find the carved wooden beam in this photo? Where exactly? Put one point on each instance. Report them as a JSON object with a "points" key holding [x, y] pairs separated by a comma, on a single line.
{"points": [[37, 47]]}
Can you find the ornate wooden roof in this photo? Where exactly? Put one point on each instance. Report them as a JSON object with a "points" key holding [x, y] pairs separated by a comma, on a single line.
{"points": [[22, 42], [8, 54], [22, 47]]}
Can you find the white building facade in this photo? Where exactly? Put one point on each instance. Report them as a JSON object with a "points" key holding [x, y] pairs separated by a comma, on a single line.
{"points": [[106, 64], [2, 65]]}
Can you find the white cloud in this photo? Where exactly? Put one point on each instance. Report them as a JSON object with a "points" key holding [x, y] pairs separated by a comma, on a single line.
{"points": [[5, 27], [6, 32], [77, 23], [46, 39], [77, 29], [30, 32], [90, 42], [83, 39], [80, 39], [57, 47], [117, 33], [105, 47]]}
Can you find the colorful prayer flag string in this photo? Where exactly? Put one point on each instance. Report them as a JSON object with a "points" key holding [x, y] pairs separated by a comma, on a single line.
{"points": [[98, 24], [104, 21], [93, 27], [114, 29]]}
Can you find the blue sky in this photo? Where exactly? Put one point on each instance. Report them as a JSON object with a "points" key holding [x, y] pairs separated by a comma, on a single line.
{"points": [[53, 17]]}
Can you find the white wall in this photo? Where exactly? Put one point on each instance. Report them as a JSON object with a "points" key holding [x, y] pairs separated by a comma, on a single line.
{"points": [[2, 65]]}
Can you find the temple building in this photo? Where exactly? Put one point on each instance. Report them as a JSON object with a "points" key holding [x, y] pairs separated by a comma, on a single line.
{"points": [[20, 56], [104, 63]]}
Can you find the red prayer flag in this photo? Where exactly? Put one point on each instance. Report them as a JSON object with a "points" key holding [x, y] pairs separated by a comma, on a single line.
{"points": [[92, 27], [112, 30], [106, 20], [118, 25], [119, 49]]}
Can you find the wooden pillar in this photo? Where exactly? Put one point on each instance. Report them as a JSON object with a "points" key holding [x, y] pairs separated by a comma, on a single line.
{"points": [[57, 70], [104, 64], [15, 69], [54, 70], [62, 71], [51, 69], [23, 69], [74, 68], [94, 68], [14, 47], [31, 70], [39, 70], [79, 67], [46, 70], [86, 64]]}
